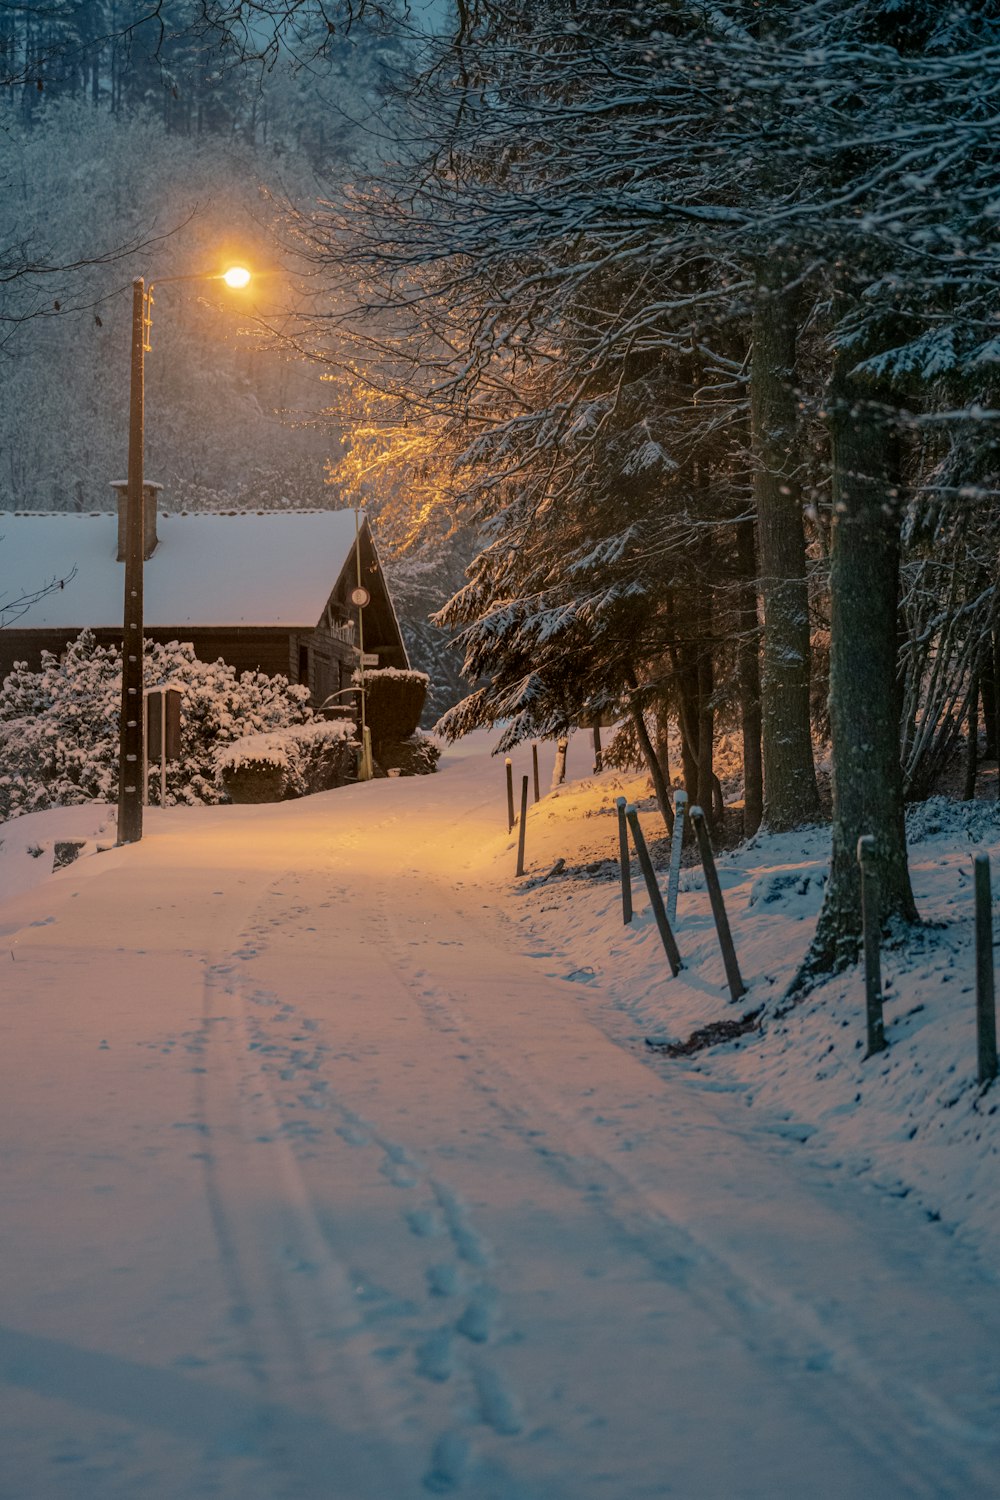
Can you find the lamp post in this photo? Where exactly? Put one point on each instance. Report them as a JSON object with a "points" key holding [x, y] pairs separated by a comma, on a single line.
{"points": [[132, 729]]}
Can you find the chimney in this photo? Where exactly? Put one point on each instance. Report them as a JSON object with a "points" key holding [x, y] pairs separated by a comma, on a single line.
{"points": [[150, 495]]}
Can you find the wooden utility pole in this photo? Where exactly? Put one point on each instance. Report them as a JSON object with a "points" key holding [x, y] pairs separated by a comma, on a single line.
{"points": [[131, 727]]}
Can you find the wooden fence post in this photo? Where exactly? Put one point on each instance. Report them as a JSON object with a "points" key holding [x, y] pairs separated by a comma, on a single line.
{"points": [[624, 862], [510, 793], [523, 825], [534, 767], [986, 1014], [598, 752], [655, 899], [677, 839], [733, 976], [871, 924]]}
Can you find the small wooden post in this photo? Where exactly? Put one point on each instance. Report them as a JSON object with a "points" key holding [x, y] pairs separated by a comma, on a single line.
{"points": [[655, 899], [677, 839], [871, 923], [534, 767], [510, 793], [733, 976], [559, 769], [624, 862], [598, 752], [523, 825], [986, 1014]]}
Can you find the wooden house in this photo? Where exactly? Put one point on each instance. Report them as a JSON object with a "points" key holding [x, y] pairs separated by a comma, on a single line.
{"points": [[270, 591]]}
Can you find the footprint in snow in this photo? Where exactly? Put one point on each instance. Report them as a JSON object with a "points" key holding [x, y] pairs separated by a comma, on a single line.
{"points": [[436, 1357], [476, 1322], [424, 1223], [400, 1176], [449, 1462], [498, 1406], [444, 1280]]}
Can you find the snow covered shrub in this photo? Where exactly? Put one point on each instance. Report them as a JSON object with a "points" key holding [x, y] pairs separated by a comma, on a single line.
{"points": [[393, 705], [59, 730], [416, 756], [59, 726], [288, 762], [217, 707]]}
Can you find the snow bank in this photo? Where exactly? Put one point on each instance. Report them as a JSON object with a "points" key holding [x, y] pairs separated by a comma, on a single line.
{"points": [[909, 1122], [27, 843]]}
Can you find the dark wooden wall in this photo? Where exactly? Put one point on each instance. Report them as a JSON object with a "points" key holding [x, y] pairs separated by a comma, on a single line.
{"points": [[247, 648]]}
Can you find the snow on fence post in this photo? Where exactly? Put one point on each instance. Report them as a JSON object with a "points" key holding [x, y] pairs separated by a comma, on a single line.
{"points": [[559, 769], [655, 899], [871, 926], [534, 768], [624, 862], [510, 793], [523, 825], [733, 976], [986, 1015], [674, 877]]}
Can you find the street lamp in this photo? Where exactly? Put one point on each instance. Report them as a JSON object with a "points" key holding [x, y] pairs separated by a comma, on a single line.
{"points": [[132, 727]]}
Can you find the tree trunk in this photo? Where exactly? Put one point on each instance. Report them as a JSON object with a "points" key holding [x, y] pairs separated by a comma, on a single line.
{"points": [[972, 744], [662, 741], [748, 669], [864, 701], [790, 794], [650, 757], [686, 671], [996, 679], [988, 689], [706, 726]]}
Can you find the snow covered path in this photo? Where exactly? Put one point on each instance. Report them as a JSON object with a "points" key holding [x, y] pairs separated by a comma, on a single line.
{"points": [[318, 1186]]}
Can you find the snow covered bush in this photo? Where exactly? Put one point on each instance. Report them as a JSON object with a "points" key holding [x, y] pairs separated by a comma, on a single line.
{"points": [[59, 730], [393, 704], [59, 726], [416, 756], [288, 762]]}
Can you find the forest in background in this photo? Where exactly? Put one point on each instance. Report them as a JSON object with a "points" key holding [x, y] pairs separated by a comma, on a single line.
{"points": [[136, 141], [685, 312]]}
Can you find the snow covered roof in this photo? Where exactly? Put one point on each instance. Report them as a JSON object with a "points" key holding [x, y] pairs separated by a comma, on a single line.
{"points": [[277, 568]]}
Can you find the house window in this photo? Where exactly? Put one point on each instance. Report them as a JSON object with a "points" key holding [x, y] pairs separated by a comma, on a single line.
{"points": [[304, 664]]}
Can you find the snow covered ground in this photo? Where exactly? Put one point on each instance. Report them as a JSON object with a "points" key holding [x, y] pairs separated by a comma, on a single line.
{"points": [[337, 1165]]}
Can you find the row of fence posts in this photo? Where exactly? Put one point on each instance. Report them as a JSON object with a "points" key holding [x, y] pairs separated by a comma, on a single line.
{"points": [[558, 773], [628, 821], [871, 923], [665, 913], [522, 822], [558, 777]]}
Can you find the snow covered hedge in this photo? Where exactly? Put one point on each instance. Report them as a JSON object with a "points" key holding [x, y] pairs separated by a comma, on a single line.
{"points": [[288, 762], [393, 704], [59, 726]]}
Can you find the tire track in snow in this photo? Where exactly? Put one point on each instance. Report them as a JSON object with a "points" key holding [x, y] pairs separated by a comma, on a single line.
{"points": [[320, 1411], [439, 1215], [268, 1087], [906, 1430]]}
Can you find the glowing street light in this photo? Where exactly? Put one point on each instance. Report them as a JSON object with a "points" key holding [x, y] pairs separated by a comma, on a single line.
{"points": [[132, 729]]}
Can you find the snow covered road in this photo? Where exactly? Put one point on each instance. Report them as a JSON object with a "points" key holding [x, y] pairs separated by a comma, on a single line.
{"points": [[318, 1185]]}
